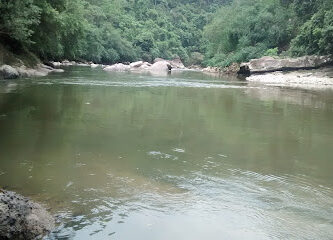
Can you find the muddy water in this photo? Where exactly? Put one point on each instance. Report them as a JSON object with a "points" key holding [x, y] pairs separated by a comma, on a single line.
{"points": [[181, 156]]}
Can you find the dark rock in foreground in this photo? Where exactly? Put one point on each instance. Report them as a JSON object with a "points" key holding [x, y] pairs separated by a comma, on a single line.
{"points": [[20, 218]]}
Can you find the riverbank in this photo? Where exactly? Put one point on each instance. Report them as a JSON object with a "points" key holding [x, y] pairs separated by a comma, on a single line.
{"points": [[22, 63], [314, 78], [307, 71]]}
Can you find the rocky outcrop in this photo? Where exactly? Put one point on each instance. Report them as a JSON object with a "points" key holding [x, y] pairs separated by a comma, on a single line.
{"points": [[315, 78], [40, 70], [8, 72], [20, 218], [270, 64], [160, 66]]}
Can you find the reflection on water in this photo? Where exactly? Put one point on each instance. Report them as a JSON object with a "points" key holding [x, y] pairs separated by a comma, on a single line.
{"points": [[184, 156]]}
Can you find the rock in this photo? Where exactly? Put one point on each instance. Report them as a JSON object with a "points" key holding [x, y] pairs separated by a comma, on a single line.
{"points": [[40, 70], [270, 64], [144, 66], [158, 60], [315, 78], [8, 72], [161, 66], [119, 67], [83, 64], [65, 63], [54, 64], [20, 218], [93, 65], [177, 63], [68, 63], [136, 64]]}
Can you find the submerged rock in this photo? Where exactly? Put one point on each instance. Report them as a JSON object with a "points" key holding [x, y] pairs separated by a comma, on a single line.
{"points": [[8, 72], [270, 64], [20, 218]]}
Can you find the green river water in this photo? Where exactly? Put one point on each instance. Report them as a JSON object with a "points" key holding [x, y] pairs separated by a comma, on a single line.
{"points": [[185, 156]]}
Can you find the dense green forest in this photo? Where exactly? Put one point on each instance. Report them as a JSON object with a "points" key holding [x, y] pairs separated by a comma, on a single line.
{"points": [[208, 32]]}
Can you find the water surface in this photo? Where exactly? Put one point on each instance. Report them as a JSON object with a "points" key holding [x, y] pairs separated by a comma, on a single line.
{"points": [[181, 156]]}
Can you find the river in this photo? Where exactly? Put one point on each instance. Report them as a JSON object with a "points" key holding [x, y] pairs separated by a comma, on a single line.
{"points": [[181, 156]]}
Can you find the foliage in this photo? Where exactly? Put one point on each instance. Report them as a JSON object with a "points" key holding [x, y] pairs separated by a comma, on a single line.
{"points": [[223, 31], [107, 30], [250, 29], [316, 35], [272, 52], [17, 19], [245, 30]]}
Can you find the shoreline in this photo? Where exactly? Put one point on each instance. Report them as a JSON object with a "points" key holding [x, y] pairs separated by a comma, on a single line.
{"points": [[304, 72]]}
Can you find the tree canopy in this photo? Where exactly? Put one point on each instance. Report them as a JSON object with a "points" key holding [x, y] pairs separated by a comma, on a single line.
{"points": [[210, 32]]}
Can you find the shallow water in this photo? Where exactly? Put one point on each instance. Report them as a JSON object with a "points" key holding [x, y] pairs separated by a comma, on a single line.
{"points": [[181, 156]]}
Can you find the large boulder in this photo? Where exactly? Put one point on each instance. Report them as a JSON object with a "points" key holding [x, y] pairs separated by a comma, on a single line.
{"points": [[177, 63], [20, 218], [161, 66], [270, 64], [119, 67], [8, 72]]}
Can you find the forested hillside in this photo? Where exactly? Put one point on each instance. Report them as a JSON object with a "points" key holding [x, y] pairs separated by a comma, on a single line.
{"points": [[210, 32], [250, 29]]}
